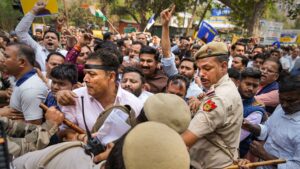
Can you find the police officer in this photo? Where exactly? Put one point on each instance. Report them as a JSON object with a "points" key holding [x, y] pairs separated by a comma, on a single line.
{"points": [[24, 137], [214, 132]]}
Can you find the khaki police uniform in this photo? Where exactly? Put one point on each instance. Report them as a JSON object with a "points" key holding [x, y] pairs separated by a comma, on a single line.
{"points": [[218, 121], [168, 109], [153, 145], [67, 155], [25, 137]]}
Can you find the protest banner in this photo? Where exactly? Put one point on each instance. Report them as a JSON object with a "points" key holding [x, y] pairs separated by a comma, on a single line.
{"points": [[51, 7], [206, 32], [270, 31]]}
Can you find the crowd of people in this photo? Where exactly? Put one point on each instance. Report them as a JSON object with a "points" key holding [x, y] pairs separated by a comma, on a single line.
{"points": [[151, 102]]}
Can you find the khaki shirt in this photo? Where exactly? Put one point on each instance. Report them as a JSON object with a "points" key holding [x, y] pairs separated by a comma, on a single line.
{"points": [[24, 137], [219, 119], [71, 158]]}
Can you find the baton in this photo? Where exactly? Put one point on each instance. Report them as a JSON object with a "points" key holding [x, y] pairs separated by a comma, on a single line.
{"points": [[66, 121], [261, 163]]}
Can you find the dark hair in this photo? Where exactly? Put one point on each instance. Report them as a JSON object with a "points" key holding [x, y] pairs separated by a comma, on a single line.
{"points": [[275, 50], [107, 58], [150, 50], [190, 59], [39, 30], [196, 46], [250, 72], [66, 71], [107, 36], [120, 42], [184, 38], [54, 53], [260, 56], [222, 58], [109, 46], [233, 73], [178, 79], [238, 44], [259, 46], [52, 31], [138, 43], [245, 60], [290, 83], [26, 51], [130, 69]]}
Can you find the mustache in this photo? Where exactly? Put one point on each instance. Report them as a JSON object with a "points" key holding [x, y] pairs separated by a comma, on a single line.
{"points": [[145, 67]]}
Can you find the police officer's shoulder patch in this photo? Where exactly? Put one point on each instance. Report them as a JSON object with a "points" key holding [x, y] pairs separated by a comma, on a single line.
{"points": [[209, 105]]}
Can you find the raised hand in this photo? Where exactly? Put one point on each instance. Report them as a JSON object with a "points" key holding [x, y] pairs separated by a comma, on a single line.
{"points": [[166, 15], [39, 7]]}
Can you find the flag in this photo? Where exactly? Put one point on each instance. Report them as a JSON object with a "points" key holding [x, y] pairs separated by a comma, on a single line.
{"points": [[277, 44], [97, 13], [150, 22], [206, 32]]}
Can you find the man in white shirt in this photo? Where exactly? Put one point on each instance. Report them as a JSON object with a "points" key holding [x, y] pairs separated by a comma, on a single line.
{"points": [[101, 92], [29, 90], [294, 57], [50, 39]]}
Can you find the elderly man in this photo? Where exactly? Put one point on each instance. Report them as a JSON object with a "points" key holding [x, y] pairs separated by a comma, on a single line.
{"points": [[50, 39], [268, 89]]}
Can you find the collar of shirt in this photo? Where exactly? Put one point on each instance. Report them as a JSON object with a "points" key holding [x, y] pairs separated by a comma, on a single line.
{"points": [[25, 77], [120, 94], [222, 80], [47, 52], [294, 117]]}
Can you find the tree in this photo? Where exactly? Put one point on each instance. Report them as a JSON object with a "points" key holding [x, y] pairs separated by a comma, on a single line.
{"points": [[139, 10], [248, 13], [8, 16]]}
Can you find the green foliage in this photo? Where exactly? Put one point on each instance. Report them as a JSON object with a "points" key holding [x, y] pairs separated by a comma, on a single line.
{"points": [[247, 13], [8, 16], [141, 10]]}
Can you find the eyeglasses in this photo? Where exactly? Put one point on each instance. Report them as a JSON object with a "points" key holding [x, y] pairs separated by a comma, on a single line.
{"points": [[267, 71]]}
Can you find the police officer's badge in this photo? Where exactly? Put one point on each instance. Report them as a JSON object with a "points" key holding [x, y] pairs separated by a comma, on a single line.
{"points": [[209, 51], [209, 105]]}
